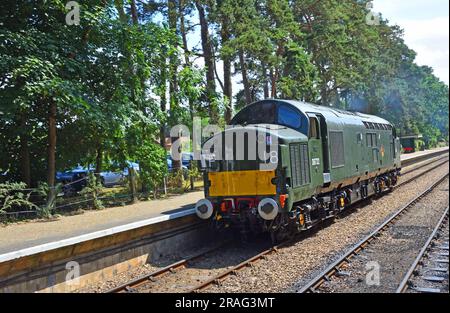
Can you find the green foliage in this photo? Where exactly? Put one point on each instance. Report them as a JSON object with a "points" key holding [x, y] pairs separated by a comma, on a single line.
{"points": [[93, 190], [153, 165], [14, 196], [50, 194]]}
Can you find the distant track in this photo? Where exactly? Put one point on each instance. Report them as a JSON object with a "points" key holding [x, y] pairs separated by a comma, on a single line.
{"points": [[434, 160], [420, 174]]}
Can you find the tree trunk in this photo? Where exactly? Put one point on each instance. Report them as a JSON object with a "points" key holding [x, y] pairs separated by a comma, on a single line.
{"points": [[324, 95], [183, 31], [274, 75], [51, 147], [228, 91], [99, 161], [266, 82], [209, 63], [51, 155], [134, 15], [276, 70], [162, 137], [132, 184], [173, 84], [163, 103], [25, 164], [163, 97], [247, 92], [119, 7], [187, 62]]}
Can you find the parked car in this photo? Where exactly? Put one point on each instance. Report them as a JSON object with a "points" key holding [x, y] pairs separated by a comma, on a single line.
{"points": [[112, 178], [186, 158], [185, 163], [73, 180]]}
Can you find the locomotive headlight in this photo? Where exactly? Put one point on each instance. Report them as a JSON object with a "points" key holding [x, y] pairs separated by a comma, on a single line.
{"points": [[204, 209], [268, 209]]}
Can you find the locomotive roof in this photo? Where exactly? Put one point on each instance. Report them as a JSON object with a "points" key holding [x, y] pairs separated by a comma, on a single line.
{"points": [[332, 115], [282, 132]]}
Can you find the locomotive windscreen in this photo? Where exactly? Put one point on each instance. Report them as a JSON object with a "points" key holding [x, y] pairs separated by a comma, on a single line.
{"points": [[266, 112]]}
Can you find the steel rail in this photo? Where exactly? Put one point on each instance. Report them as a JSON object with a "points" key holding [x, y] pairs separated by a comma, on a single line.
{"points": [[419, 175], [424, 165], [217, 279], [335, 267], [404, 284], [144, 279], [423, 157]]}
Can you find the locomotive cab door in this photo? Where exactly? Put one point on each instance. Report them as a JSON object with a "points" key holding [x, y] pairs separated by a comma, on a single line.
{"points": [[325, 151], [315, 150]]}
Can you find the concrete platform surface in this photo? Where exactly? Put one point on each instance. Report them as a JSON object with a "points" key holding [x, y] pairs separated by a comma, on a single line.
{"points": [[90, 224], [408, 156], [33, 236]]}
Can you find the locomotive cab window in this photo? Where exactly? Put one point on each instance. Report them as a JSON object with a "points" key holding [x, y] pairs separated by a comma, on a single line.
{"points": [[359, 138], [371, 139], [267, 112], [314, 131], [289, 117]]}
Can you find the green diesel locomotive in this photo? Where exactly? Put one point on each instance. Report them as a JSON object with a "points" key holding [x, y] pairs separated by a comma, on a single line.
{"points": [[312, 162]]}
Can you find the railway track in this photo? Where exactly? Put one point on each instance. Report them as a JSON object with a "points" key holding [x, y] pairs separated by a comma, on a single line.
{"points": [[335, 269], [132, 285], [429, 271], [402, 183], [234, 271], [424, 164], [179, 266]]}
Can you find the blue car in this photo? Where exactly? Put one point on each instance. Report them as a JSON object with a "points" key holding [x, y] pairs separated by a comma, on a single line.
{"points": [[112, 178], [185, 162], [75, 179]]}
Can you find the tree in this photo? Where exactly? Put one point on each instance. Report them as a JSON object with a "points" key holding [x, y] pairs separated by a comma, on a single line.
{"points": [[208, 56]]}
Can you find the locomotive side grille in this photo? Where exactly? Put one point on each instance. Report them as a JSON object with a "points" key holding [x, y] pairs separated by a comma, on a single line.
{"points": [[299, 164], [337, 149]]}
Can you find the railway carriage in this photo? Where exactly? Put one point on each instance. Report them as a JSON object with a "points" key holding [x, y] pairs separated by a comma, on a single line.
{"points": [[323, 160]]}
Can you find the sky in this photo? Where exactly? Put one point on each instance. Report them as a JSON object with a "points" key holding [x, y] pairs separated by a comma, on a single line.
{"points": [[426, 29]]}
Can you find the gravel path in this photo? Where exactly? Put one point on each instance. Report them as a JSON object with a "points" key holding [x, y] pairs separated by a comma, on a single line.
{"points": [[293, 266], [394, 251]]}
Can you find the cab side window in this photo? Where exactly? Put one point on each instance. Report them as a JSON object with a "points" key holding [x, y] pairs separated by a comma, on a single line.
{"points": [[369, 140], [314, 132]]}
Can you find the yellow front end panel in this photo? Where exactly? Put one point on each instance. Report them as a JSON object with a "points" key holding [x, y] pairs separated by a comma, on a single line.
{"points": [[241, 183]]}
